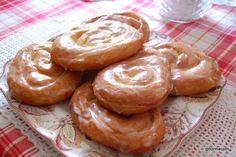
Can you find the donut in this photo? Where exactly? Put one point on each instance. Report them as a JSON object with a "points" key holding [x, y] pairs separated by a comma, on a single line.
{"points": [[95, 45], [192, 71], [34, 79], [130, 18], [134, 134], [134, 85]]}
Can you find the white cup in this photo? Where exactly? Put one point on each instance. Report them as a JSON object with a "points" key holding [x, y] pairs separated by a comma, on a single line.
{"points": [[183, 11]]}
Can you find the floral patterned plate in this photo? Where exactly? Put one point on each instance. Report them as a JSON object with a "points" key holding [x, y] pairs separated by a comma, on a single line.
{"points": [[181, 115]]}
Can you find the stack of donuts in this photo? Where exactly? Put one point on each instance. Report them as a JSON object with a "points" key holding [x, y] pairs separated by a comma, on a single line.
{"points": [[119, 106]]}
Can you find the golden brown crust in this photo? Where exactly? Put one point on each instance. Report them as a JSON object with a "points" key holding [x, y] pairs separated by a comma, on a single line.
{"points": [[134, 134], [192, 71], [129, 18], [134, 85], [35, 80], [100, 41]]}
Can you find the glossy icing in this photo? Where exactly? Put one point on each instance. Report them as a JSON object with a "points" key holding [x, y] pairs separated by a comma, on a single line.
{"points": [[129, 134], [134, 85], [100, 35], [129, 18], [95, 45], [192, 71], [33, 74], [100, 41]]}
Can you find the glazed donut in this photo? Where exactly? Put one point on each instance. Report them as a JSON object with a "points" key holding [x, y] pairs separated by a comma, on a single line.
{"points": [[96, 45], [129, 18], [192, 71], [134, 85], [35, 80], [134, 134]]}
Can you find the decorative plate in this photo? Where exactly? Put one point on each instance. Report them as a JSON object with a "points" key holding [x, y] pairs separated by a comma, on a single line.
{"points": [[181, 115]]}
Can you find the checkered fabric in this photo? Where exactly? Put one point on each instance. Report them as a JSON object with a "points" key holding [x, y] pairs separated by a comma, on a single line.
{"points": [[14, 143], [215, 34]]}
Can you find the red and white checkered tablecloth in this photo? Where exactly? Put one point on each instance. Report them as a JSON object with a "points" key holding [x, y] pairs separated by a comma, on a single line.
{"points": [[215, 34]]}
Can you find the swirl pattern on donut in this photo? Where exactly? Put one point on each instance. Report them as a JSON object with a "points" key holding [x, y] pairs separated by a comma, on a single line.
{"points": [[192, 71], [96, 45], [135, 134], [134, 85], [129, 18], [35, 80]]}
